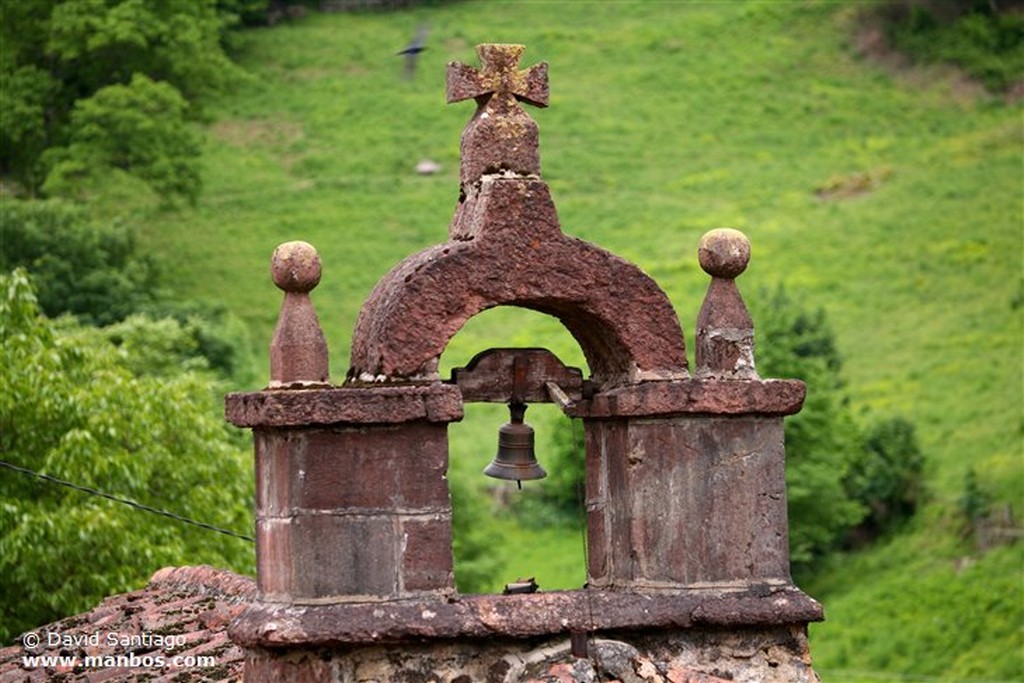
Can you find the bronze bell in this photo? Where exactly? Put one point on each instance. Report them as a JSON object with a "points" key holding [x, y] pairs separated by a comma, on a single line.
{"points": [[515, 460]]}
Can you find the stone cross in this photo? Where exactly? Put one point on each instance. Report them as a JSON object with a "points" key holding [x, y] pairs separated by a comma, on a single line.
{"points": [[501, 137], [501, 76]]}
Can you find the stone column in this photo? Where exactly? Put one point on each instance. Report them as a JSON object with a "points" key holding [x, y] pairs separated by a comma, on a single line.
{"points": [[684, 490], [352, 502], [352, 511], [686, 479]]}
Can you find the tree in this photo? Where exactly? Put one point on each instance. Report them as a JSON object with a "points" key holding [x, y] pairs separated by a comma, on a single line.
{"points": [[74, 406], [139, 128], [59, 53], [89, 269], [886, 475], [105, 42], [985, 38], [24, 119]]}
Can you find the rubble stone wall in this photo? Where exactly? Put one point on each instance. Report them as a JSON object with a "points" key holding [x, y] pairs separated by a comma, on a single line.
{"points": [[773, 655]]}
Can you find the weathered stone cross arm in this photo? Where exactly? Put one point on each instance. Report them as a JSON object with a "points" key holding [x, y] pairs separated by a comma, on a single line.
{"points": [[500, 76]]}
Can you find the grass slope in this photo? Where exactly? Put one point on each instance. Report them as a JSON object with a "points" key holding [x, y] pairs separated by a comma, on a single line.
{"points": [[668, 119]]}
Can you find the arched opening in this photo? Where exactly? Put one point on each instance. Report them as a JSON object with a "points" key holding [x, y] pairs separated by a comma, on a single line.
{"points": [[502, 534], [624, 323], [440, 307]]}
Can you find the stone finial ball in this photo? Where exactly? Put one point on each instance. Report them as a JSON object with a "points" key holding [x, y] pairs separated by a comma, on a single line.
{"points": [[295, 267], [724, 252]]}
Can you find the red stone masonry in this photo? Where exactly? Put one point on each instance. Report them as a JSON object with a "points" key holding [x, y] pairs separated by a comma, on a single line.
{"points": [[725, 331], [688, 574], [298, 351]]}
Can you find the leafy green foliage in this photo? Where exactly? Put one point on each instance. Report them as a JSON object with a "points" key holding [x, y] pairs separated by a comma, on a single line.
{"points": [[89, 269], [886, 475], [822, 439], [253, 12], [102, 42], [472, 539], [972, 34], [73, 406], [93, 270], [27, 90], [139, 128], [216, 334], [109, 82]]}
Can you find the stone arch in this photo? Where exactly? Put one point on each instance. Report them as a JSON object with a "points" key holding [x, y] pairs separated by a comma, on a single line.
{"points": [[622, 320]]}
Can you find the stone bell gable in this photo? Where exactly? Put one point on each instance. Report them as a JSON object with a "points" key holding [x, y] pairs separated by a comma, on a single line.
{"points": [[688, 563]]}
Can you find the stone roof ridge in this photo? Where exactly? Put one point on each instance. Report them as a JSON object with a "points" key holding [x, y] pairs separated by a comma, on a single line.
{"points": [[172, 630], [204, 578]]}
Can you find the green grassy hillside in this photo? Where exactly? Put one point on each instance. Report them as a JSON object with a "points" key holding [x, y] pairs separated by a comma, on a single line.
{"points": [[893, 200]]}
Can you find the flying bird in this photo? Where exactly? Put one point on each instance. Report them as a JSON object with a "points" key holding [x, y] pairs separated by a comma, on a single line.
{"points": [[412, 51]]}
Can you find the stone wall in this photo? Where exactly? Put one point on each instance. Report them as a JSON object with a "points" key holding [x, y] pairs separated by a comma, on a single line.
{"points": [[737, 655]]}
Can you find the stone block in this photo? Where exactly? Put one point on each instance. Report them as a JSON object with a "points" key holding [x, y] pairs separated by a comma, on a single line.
{"points": [[359, 469], [274, 578], [689, 500], [427, 554], [295, 667], [274, 449], [323, 556], [345, 556]]}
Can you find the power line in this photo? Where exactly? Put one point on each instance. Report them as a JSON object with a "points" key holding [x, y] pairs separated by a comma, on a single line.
{"points": [[125, 501]]}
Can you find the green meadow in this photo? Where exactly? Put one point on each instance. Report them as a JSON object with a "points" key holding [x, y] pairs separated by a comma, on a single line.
{"points": [[891, 198]]}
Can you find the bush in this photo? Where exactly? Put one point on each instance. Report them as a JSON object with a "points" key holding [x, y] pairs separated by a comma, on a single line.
{"points": [[822, 440], [139, 128], [27, 90], [217, 335], [972, 34], [90, 270], [975, 502], [887, 475]]}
